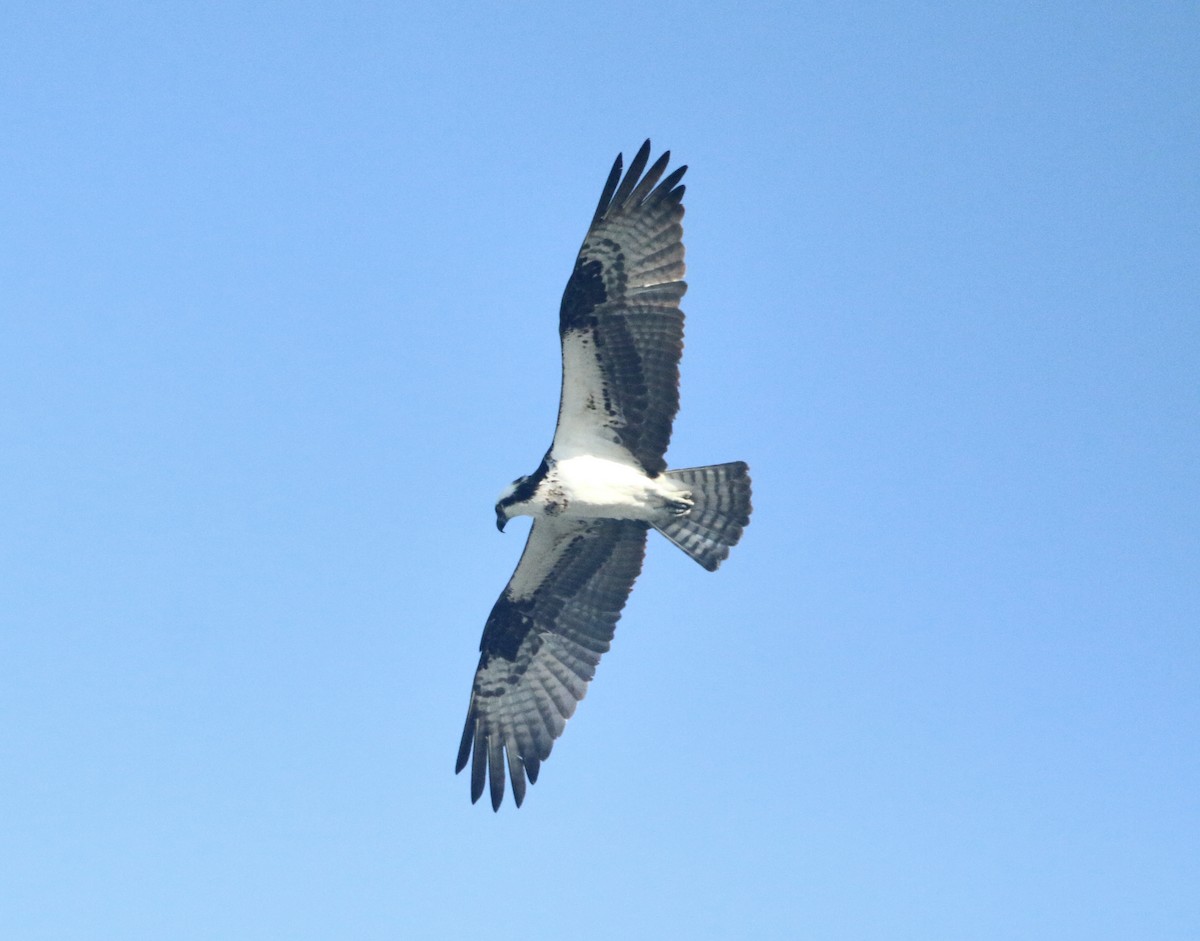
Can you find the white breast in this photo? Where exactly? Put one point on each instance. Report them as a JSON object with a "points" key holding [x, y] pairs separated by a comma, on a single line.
{"points": [[599, 487]]}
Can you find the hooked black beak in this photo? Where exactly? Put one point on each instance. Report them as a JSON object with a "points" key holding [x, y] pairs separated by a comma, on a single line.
{"points": [[501, 519]]}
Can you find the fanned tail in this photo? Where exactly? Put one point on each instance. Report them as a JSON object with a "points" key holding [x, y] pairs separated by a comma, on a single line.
{"points": [[722, 510]]}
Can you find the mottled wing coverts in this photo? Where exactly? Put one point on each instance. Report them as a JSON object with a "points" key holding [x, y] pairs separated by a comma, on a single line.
{"points": [[620, 322], [542, 643]]}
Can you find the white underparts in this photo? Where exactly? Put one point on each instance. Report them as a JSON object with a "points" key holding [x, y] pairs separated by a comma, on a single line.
{"points": [[590, 487], [585, 422]]}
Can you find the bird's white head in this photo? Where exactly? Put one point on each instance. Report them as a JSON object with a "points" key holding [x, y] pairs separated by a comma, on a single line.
{"points": [[510, 499], [520, 497]]}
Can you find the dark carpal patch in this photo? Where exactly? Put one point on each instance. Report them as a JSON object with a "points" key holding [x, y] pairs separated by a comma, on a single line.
{"points": [[507, 627], [584, 293]]}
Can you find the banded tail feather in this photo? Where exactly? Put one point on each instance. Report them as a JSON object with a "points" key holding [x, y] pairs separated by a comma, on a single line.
{"points": [[722, 510]]}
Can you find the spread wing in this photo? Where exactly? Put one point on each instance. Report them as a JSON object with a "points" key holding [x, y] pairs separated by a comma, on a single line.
{"points": [[542, 643], [620, 322]]}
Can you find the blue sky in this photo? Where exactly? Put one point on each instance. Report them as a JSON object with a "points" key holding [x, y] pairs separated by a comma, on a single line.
{"points": [[278, 292]]}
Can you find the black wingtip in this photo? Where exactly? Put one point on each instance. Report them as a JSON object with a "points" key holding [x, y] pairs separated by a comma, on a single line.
{"points": [[610, 187], [638, 184], [478, 765], [646, 184], [495, 750], [516, 773], [464, 746], [632, 175], [669, 186]]}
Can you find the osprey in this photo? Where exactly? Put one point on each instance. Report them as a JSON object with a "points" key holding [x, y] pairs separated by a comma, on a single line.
{"points": [[602, 485]]}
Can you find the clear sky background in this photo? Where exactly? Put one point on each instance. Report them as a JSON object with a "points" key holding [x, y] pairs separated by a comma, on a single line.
{"points": [[278, 301]]}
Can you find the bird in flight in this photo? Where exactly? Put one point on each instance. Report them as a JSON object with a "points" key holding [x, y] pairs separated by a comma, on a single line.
{"points": [[602, 485]]}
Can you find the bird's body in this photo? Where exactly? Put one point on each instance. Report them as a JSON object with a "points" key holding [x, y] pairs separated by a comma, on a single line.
{"points": [[586, 486], [602, 484]]}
